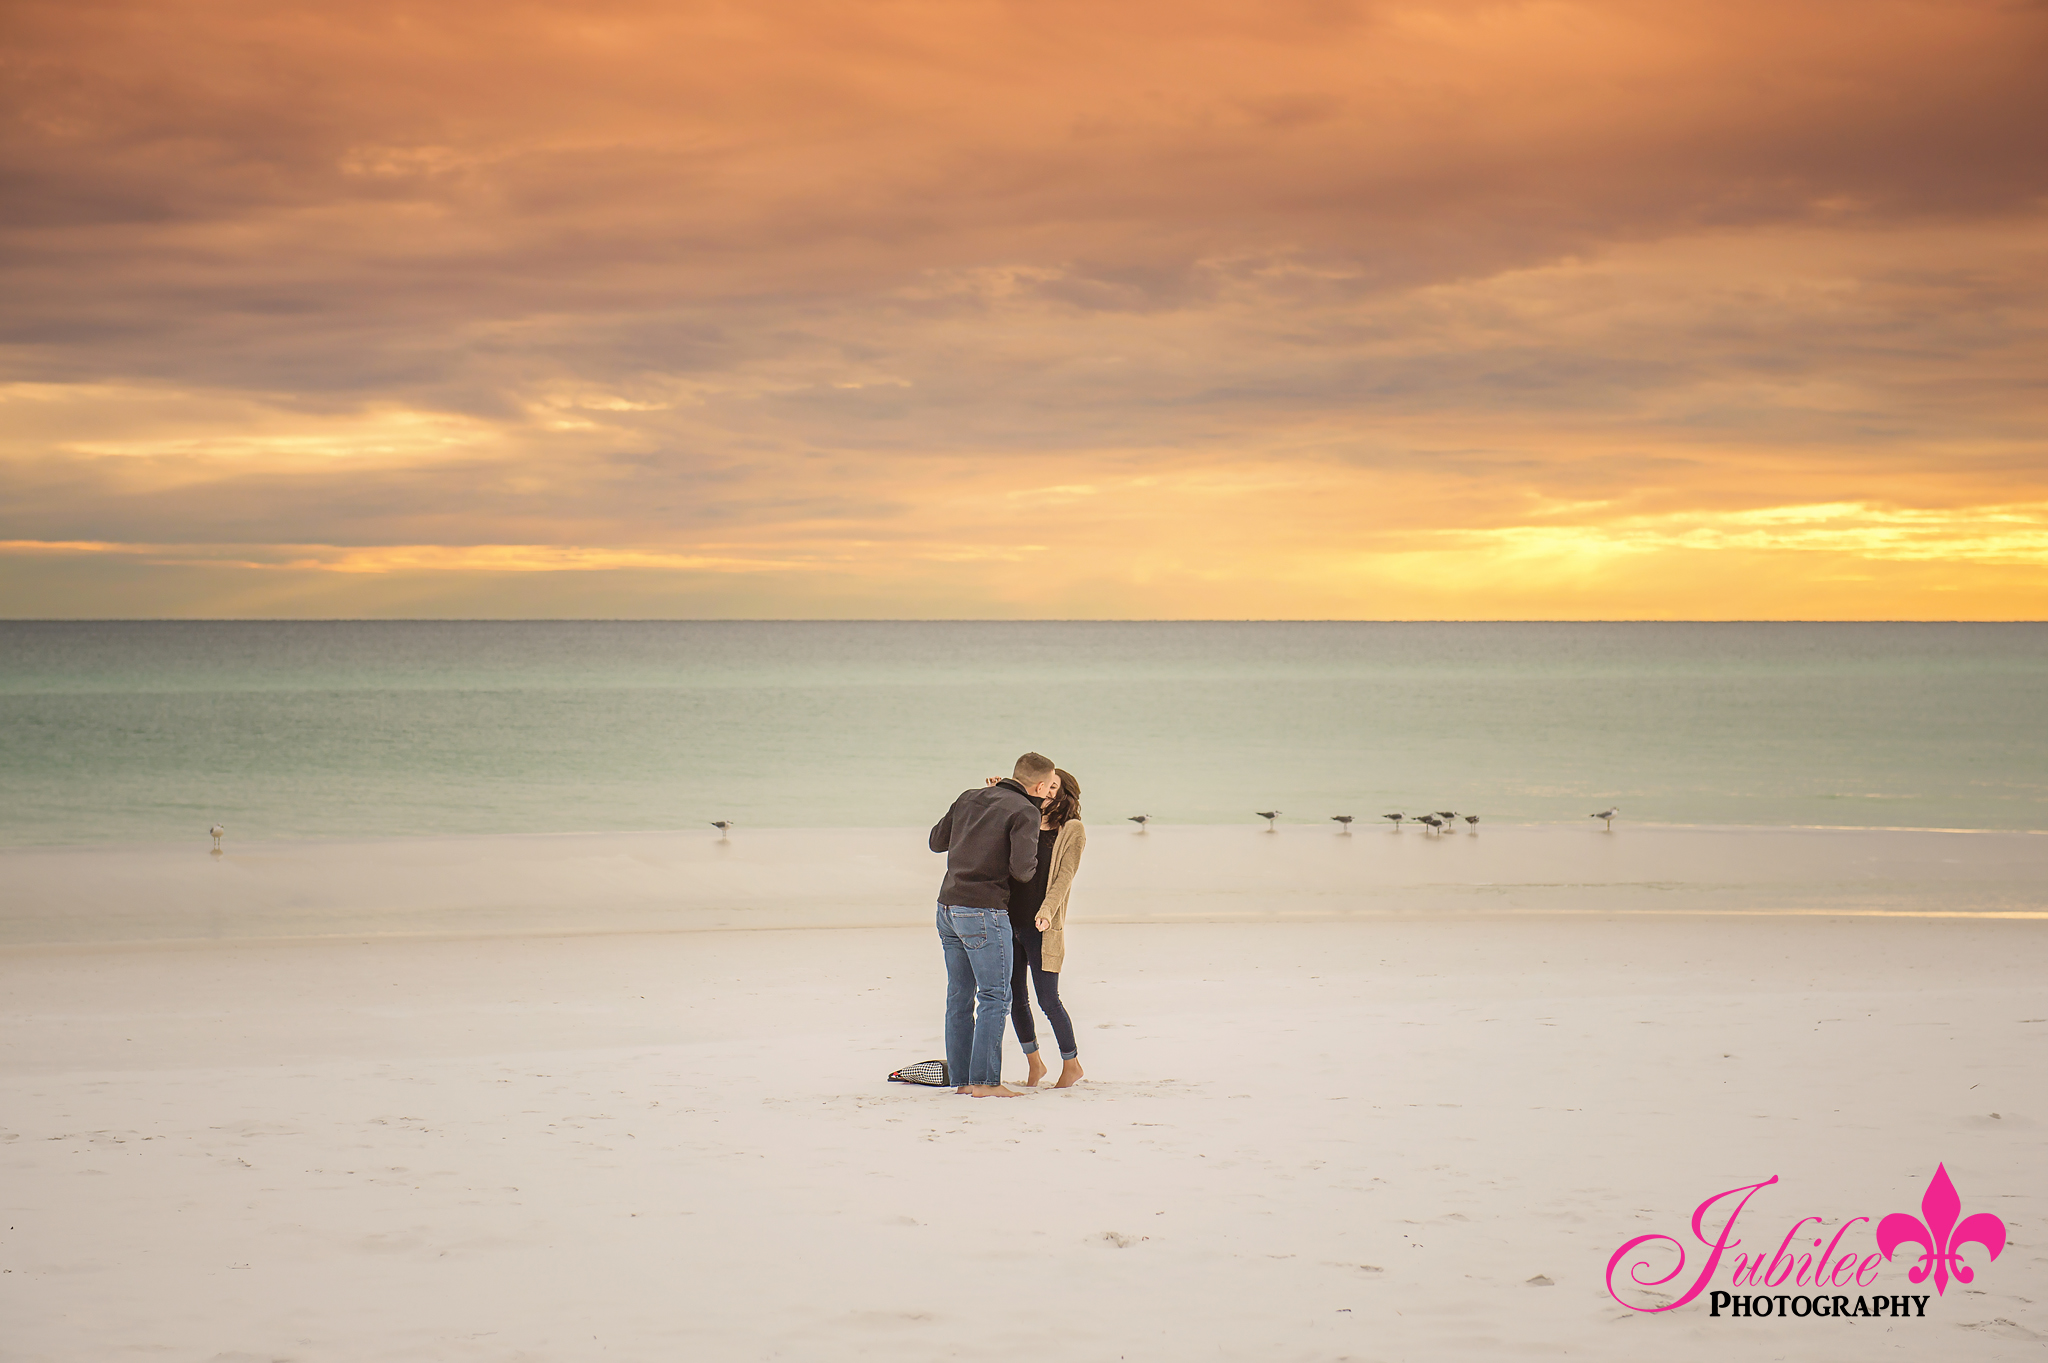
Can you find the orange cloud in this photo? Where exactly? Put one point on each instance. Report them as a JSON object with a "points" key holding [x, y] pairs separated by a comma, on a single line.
{"points": [[1445, 308]]}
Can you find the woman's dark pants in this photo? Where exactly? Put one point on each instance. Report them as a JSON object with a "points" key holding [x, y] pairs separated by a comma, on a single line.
{"points": [[1030, 955]]}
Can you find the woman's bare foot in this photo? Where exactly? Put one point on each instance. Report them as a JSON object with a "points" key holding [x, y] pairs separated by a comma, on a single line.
{"points": [[1070, 1074], [962, 1089], [1036, 1070], [988, 1091]]}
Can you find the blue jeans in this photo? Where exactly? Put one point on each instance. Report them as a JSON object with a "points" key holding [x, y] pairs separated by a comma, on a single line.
{"points": [[977, 945]]}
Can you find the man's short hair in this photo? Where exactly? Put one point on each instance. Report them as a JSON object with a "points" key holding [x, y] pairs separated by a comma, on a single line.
{"points": [[1031, 769]]}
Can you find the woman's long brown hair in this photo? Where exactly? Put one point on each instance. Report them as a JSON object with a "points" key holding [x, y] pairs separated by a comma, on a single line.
{"points": [[1067, 804]]}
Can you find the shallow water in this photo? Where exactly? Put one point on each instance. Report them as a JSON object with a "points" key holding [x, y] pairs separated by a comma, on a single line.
{"points": [[117, 732]]}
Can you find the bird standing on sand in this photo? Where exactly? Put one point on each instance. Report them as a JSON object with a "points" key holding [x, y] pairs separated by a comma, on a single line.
{"points": [[218, 832], [1473, 819], [1434, 824], [724, 827], [1608, 815], [1344, 819], [1449, 816], [1268, 815], [1395, 819], [1139, 819]]}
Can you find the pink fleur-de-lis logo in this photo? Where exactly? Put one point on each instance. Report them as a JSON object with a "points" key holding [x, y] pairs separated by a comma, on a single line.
{"points": [[1939, 1235]]}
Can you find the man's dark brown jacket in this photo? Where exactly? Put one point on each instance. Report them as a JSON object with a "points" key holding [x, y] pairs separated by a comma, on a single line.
{"points": [[989, 836]]}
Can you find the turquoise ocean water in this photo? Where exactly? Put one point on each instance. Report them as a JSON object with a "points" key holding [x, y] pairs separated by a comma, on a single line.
{"points": [[127, 732]]}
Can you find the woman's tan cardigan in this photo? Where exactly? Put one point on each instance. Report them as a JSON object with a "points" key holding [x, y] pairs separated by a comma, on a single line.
{"points": [[1066, 859]]}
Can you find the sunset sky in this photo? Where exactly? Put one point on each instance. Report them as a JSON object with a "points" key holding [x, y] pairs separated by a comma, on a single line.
{"points": [[1297, 308]]}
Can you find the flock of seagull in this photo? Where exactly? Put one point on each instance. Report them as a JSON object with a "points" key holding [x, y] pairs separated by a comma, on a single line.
{"points": [[1438, 821], [1441, 821]]}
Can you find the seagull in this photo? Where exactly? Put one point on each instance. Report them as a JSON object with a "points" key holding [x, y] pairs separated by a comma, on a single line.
{"points": [[1435, 824], [218, 833], [724, 827], [1344, 819], [1395, 819], [1472, 819], [1449, 816], [1268, 815], [1608, 815], [1140, 820]]}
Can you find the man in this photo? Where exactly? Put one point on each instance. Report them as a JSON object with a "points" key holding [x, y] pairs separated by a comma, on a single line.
{"points": [[989, 836]]}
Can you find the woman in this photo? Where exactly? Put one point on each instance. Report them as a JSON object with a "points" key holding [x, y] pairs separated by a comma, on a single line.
{"points": [[1038, 924]]}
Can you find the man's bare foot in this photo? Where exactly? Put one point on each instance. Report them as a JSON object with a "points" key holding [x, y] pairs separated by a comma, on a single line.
{"points": [[962, 1089], [988, 1091], [1036, 1070], [1070, 1074]]}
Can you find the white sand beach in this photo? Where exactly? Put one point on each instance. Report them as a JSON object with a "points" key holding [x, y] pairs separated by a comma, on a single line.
{"points": [[1385, 1105], [878, 877]]}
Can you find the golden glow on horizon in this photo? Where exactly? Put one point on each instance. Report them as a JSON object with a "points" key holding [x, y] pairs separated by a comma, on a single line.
{"points": [[1993, 534], [1792, 555], [1432, 310]]}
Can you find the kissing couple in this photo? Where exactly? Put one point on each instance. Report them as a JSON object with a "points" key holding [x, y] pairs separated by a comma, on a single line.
{"points": [[1012, 848]]}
